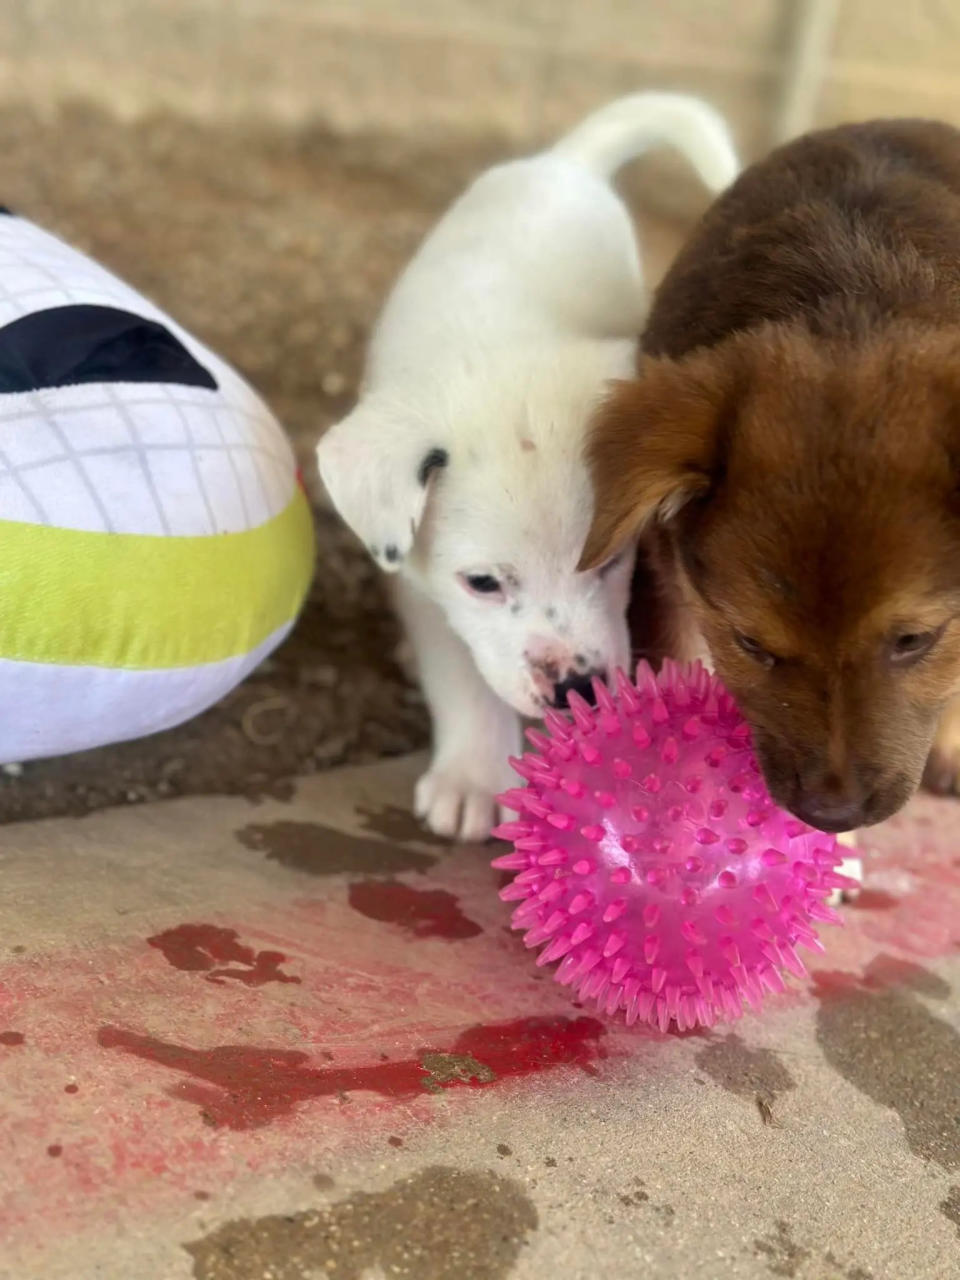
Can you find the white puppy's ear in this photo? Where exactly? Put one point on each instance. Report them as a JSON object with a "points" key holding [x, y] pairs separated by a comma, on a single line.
{"points": [[377, 470]]}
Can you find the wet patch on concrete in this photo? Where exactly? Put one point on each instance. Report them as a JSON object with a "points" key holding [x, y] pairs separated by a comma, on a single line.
{"points": [[890, 971], [426, 913], [201, 948], [950, 1208], [318, 850], [439, 1224], [781, 1253], [12, 1039], [755, 1074], [399, 826], [246, 1087], [885, 1042], [845, 1270]]}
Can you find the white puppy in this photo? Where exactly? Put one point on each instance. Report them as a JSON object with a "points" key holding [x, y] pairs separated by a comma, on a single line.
{"points": [[461, 466]]}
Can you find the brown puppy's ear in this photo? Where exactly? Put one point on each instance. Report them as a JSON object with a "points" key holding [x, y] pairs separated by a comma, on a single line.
{"points": [[653, 446]]}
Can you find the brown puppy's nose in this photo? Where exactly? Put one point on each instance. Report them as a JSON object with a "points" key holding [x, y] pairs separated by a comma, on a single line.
{"points": [[575, 684], [830, 800], [830, 813]]}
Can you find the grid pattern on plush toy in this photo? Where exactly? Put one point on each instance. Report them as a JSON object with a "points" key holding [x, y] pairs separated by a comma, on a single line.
{"points": [[38, 271], [231, 468]]}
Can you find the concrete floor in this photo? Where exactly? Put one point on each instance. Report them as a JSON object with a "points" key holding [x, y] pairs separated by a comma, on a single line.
{"points": [[290, 1040]]}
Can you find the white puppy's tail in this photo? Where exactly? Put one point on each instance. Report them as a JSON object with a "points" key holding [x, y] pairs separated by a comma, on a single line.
{"points": [[624, 129]]}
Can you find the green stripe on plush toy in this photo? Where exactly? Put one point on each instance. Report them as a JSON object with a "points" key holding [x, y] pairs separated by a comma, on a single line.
{"points": [[181, 601]]}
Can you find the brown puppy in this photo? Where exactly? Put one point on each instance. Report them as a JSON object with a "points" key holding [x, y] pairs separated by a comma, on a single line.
{"points": [[792, 442]]}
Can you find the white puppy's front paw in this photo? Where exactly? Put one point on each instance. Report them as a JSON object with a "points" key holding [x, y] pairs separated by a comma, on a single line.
{"points": [[851, 866], [452, 804]]}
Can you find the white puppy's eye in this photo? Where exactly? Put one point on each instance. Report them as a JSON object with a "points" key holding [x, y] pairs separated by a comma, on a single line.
{"points": [[481, 584]]}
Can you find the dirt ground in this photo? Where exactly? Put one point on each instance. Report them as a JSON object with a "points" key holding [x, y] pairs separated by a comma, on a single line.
{"points": [[276, 247]]}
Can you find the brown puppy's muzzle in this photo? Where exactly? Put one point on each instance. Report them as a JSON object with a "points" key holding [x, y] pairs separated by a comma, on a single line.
{"points": [[802, 783]]}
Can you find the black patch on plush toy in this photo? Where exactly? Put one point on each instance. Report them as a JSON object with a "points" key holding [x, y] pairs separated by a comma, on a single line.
{"points": [[432, 461], [5, 211], [65, 346]]}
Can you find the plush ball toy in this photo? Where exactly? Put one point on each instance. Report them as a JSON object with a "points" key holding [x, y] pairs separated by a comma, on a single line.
{"points": [[650, 860], [155, 543]]}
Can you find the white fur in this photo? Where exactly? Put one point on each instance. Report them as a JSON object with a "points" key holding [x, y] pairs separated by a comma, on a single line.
{"points": [[495, 347]]}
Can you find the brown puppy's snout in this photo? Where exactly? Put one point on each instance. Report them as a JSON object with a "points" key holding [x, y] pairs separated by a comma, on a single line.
{"points": [[826, 799], [831, 805], [841, 811], [814, 793], [835, 799]]}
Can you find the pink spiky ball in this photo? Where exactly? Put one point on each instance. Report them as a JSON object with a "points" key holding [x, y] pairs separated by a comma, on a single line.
{"points": [[650, 860]]}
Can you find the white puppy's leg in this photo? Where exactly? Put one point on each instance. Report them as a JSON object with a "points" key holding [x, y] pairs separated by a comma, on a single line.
{"points": [[942, 774], [474, 732], [852, 866]]}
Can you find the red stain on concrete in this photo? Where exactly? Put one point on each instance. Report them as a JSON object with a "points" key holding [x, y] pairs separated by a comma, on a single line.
{"points": [[427, 913], [873, 900], [12, 1038], [55, 1149], [202, 947], [242, 1087], [71, 1088], [531, 1045]]}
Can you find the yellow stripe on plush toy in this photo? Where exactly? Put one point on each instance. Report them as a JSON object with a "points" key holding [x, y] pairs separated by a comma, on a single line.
{"points": [[163, 601]]}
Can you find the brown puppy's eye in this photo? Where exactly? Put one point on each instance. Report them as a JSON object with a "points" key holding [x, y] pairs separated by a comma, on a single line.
{"points": [[755, 650], [912, 646]]}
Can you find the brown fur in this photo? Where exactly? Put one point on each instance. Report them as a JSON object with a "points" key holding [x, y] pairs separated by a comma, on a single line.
{"points": [[795, 429]]}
